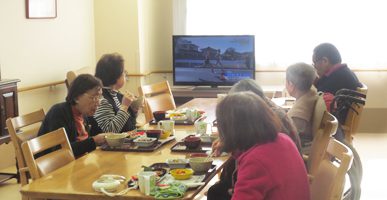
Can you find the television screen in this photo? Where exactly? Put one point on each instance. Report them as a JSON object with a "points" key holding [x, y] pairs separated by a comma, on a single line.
{"points": [[212, 60]]}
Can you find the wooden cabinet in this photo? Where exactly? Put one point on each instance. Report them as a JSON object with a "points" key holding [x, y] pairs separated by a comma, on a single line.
{"points": [[8, 105]]}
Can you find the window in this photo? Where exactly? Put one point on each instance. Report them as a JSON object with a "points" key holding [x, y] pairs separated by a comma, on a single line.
{"points": [[287, 31]]}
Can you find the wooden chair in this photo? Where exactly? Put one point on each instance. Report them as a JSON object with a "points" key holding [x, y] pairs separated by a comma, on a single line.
{"points": [[21, 129], [329, 180], [324, 125], [71, 75], [353, 117], [158, 97], [51, 161]]}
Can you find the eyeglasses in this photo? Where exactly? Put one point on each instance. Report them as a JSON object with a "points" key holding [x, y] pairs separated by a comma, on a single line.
{"points": [[95, 98]]}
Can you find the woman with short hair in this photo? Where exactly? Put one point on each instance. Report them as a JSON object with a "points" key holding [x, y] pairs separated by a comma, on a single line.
{"points": [[115, 114], [299, 80], [81, 102]]}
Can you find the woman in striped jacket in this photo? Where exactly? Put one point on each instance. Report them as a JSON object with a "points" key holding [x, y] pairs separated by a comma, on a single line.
{"points": [[116, 113]]}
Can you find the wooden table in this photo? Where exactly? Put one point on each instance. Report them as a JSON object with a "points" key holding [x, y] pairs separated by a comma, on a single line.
{"points": [[74, 180]]}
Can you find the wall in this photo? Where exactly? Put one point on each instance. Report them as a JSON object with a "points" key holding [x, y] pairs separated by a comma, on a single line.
{"points": [[39, 51]]}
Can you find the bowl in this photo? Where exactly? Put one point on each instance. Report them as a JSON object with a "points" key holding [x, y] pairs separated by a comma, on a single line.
{"points": [[181, 174], [192, 142], [208, 138], [115, 140], [159, 115], [155, 133], [177, 163], [144, 141], [200, 164], [165, 134]]}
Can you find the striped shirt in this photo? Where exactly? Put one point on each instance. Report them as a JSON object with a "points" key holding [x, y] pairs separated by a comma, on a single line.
{"points": [[107, 119]]}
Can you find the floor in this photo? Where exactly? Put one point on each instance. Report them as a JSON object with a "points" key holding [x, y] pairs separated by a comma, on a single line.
{"points": [[371, 147]]}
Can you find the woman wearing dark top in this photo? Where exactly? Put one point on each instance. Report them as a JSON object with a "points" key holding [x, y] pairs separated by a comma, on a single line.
{"points": [[82, 101], [116, 113]]}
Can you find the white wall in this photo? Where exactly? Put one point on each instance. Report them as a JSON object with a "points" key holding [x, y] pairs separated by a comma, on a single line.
{"points": [[39, 51]]}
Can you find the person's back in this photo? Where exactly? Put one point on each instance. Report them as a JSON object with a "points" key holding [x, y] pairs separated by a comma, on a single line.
{"points": [[333, 75], [299, 79], [279, 178]]}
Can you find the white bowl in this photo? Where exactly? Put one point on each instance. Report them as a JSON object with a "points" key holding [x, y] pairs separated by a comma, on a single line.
{"points": [[176, 163], [208, 138], [200, 164], [115, 140]]}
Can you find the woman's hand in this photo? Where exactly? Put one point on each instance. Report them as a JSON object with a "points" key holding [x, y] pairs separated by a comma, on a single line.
{"points": [[217, 147], [127, 99], [100, 138]]}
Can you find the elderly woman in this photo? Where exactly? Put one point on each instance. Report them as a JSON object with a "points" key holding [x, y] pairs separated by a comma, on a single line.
{"points": [[223, 186], [115, 114], [299, 80], [268, 162], [82, 101]]}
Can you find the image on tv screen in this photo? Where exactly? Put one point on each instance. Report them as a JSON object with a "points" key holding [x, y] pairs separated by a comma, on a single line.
{"points": [[213, 60]]}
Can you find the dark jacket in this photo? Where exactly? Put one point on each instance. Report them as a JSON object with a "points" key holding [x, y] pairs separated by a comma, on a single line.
{"points": [[339, 79], [60, 115]]}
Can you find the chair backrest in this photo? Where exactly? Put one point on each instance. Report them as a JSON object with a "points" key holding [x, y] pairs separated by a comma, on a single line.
{"points": [[329, 180], [318, 112], [71, 75], [158, 97], [328, 127], [353, 117], [21, 129], [52, 160]]}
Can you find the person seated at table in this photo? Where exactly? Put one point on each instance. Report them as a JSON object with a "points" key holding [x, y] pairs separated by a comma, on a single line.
{"points": [[268, 162], [299, 80], [332, 74], [222, 187], [82, 101], [115, 114], [287, 124]]}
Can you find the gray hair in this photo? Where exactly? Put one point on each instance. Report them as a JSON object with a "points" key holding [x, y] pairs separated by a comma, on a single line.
{"points": [[301, 75], [247, 85]]}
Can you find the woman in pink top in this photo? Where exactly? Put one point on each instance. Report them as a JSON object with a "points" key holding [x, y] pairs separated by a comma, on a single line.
{"points": [[268, 163]]}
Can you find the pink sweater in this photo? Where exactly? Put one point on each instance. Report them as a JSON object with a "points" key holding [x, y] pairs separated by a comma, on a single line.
{"points": [[272, 171]]}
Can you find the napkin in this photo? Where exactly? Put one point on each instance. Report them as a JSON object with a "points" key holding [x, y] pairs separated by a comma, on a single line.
{"points": [[173, 191]]}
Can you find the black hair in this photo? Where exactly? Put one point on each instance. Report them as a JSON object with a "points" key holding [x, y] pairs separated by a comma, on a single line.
{"points": [[244, 120], [81, 85], [327, 50], [110, 68]]}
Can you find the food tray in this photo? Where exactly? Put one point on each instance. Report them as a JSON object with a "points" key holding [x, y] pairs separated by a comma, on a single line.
{"points": [[203, 147], [177, 122], [193, 182], [129, 145]]}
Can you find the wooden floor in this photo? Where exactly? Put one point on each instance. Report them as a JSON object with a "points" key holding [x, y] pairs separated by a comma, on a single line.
{"points": [[371, 147]]}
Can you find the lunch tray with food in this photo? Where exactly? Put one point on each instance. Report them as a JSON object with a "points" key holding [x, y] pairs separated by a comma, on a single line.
{"points": [[202, 148], [196, 180], [137, 145]]}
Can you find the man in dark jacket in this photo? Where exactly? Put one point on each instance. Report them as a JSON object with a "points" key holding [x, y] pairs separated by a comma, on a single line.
{"points": [[333, 75]]}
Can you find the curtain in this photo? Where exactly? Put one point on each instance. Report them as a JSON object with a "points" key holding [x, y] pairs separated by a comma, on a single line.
{"points": [[287, 31]]}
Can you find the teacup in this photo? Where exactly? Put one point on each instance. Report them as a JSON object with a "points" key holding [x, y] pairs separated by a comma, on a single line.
{"points": [[201, 127], [147, 181], [167, 126]]}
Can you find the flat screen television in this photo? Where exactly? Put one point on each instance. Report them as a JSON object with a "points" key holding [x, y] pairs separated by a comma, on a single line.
{"points": [[212, 60]]}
